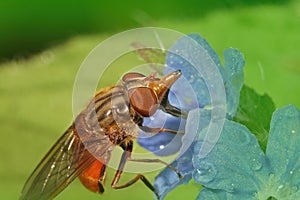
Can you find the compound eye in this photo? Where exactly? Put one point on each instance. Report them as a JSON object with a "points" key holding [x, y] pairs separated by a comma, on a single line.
{"points": [[143, 100], [132, 75]]}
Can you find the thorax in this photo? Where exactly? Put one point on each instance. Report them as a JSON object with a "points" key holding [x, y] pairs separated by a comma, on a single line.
{"points": [[109, 114]]}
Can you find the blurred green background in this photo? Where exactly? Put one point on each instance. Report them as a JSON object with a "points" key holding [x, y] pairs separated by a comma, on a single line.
{"points": [[42, 44]]}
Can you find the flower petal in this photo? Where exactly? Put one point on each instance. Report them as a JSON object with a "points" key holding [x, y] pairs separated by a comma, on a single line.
{"points": [[209, 194], [167, 179], [284, 146], [164, 143], [193, 90], [235, 164], [234, 64], [194, 57]]}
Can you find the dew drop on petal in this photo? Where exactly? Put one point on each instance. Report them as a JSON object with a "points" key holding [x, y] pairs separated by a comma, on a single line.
{"points": [[241, 137], [279, 187], [230, 187], [294, 189], [205, 173], [271, 177], [255, 164]]}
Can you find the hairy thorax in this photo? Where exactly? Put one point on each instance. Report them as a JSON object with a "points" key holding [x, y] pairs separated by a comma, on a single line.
{"points": [[119, 133]]}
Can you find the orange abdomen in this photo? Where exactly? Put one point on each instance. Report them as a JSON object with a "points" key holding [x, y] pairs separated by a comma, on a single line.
{"points": [[93, 177]]}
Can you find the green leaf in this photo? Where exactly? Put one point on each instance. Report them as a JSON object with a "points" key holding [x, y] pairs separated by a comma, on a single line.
{"points": [[255, 112]]}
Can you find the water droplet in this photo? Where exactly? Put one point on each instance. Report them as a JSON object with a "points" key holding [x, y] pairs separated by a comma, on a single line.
{"points": [[192, 77], [293, 131], [271, 177], [205, 173], [291, 172], [161, 146], [279, 187], [255, 164], [242, 137], [294, 189], [230, 187]]}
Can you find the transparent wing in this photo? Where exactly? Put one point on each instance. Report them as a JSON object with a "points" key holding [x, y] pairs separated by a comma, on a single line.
{"points": [[62, 164], [155, 57]]}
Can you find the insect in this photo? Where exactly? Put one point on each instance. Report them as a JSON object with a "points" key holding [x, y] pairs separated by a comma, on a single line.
{"points": [[112, 118]]}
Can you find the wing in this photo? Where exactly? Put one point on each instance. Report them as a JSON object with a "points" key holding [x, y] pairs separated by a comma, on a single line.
{"points": [[67, 159], [152, 56]]}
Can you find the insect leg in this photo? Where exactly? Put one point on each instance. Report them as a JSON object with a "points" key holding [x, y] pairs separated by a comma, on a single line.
{"points": [[101, 179], [158, 130], [126, 156], [157, 161]]}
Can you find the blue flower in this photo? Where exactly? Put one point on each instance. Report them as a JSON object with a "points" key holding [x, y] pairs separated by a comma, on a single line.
{"points": [[204, 84], [237, 168], [199, 64], [162, 144]]}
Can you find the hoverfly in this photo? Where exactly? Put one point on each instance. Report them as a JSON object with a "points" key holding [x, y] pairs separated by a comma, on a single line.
{"points": [[112, 118]]}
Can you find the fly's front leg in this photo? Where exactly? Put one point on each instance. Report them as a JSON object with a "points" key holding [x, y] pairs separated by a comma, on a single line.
{"points": [[158, 130], [154, 131], [125, 157], [158, 161]]}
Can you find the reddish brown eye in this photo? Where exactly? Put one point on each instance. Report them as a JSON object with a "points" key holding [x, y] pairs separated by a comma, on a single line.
{"points": [[143, 100], [132, 75]]}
